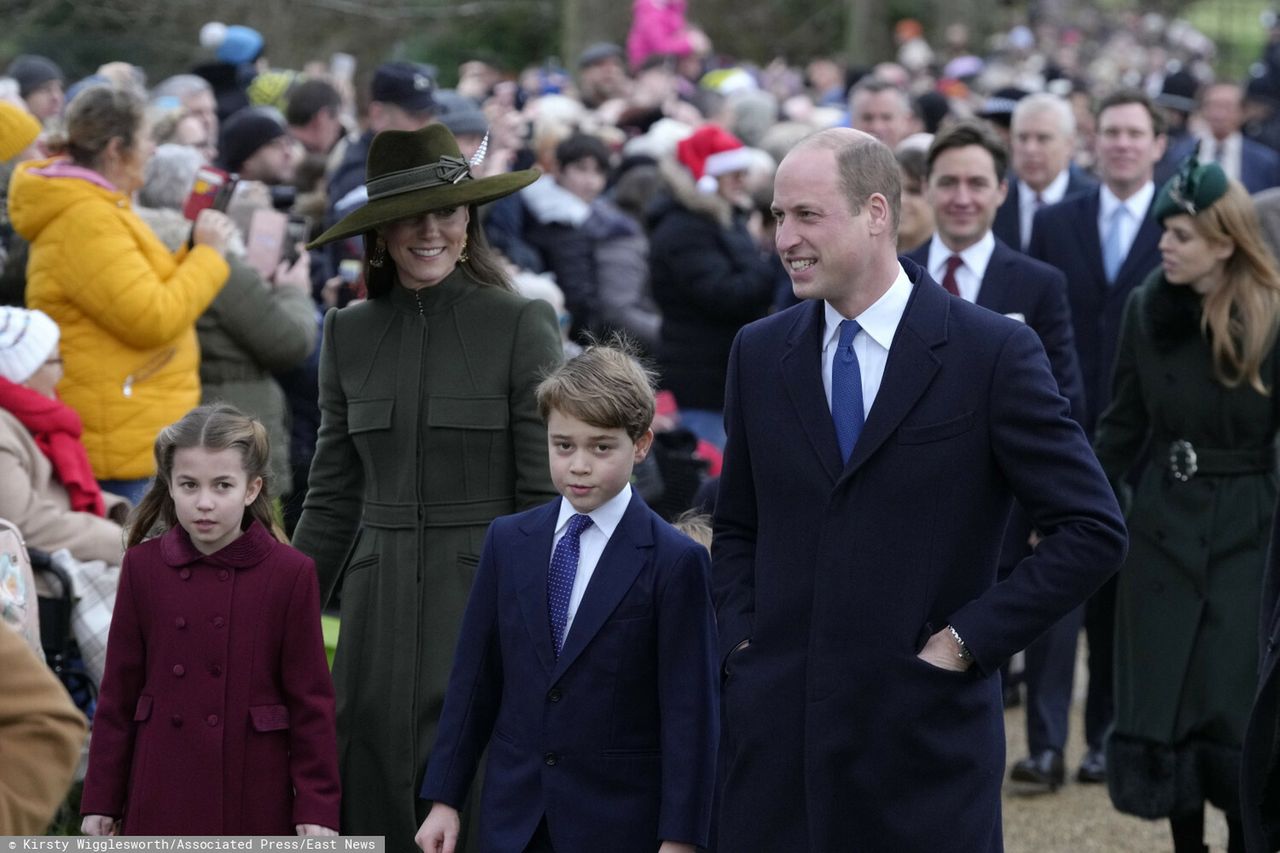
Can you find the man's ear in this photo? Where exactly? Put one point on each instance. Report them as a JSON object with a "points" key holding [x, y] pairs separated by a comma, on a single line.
{"points": [[879, 218], [643, 443]]}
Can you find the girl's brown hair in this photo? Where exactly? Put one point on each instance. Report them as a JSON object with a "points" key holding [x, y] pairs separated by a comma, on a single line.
{"points": [[1240, 314], [482, 261], [214, 427], [96, 116]]}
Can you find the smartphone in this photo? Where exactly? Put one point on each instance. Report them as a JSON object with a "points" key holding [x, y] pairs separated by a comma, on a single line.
{"points": [[265, 243], [212, 189], [297, 231], [342, 66]]}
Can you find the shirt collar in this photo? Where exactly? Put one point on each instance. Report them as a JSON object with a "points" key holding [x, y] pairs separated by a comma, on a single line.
{"points": [[1051, 194], [880, 320], [607, 516], [1137, 204], [975, 258]]}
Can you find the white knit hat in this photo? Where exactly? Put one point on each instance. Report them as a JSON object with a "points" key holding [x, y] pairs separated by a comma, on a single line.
{"points": [[26, 339]]}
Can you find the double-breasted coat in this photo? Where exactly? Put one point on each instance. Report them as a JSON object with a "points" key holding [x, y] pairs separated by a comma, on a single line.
{"points": [[1188, 599], [429, 431], [216, 715]]}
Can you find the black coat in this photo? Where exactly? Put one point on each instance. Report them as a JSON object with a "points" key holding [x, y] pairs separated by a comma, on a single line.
{"points": [[709, 278], [1260, 771]]}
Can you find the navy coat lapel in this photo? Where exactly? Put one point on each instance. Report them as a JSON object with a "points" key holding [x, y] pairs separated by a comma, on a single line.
{"points": [[1141, 259], [911, 365], [626, 554], [1087, 231], [802, 377], [539, 528], [996, 281]]}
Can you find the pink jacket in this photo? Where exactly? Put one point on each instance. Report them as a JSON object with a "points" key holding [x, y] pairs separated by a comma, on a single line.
{"points": [[657, 26]]}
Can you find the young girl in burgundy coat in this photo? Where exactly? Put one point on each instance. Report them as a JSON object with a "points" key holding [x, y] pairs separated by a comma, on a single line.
{"points": [[216, 715]]}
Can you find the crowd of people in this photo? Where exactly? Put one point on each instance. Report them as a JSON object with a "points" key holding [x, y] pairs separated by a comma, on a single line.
{"points": [[378, 277]]}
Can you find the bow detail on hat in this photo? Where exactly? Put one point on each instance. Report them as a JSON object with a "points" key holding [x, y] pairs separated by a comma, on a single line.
{"points": [[447, 170], [1192, 189]]}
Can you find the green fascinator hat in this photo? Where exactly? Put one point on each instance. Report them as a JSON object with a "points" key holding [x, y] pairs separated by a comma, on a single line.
{"points": [[1193, 188], [411, 172]]}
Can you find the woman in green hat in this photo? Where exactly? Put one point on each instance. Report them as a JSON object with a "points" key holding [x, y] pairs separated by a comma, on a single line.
{"points": [[428, 430], [1195, 385]]}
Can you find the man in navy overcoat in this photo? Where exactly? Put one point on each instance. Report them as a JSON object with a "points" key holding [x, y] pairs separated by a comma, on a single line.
{"points": [[859, 616]]}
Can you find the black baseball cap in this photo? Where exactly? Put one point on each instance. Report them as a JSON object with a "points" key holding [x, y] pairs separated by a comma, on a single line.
{"points": [[409, 85]]}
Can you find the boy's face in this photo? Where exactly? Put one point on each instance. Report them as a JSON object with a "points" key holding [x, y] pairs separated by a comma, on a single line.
{"points": [[584, 178], [590, 464]]}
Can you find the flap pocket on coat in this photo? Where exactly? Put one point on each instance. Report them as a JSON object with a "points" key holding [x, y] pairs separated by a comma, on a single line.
{"points": [[467, 412], [365, 415], [935, 432], [143, 709], [269, 718]]}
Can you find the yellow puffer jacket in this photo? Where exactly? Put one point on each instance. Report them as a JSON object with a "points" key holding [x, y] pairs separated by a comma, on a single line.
{"points": [[126, 308]]}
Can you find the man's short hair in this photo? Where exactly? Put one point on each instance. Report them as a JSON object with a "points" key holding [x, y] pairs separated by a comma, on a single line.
{"points": [[874, 86], [963, 134], [582, 146], [1120, 97], [180, 87], [1044, 102], [606, 387], [864, 165], [308, 98]]}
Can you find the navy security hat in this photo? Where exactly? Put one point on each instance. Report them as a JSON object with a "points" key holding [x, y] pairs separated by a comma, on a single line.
{"points": [[408, 85], [599, 52]]}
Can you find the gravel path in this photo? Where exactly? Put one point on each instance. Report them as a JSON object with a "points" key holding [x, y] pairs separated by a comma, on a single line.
{"points": [[1079, 818]]}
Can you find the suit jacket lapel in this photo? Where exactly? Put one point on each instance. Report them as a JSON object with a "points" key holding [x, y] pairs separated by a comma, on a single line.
{"points": [[623, 558], [539, 529], [1141, 258], [910, 368], [802, 377], [995, 281], [1087, 230]]}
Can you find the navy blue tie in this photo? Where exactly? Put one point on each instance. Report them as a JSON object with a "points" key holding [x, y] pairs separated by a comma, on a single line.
{"points": [[564, 568], [846, 390]]}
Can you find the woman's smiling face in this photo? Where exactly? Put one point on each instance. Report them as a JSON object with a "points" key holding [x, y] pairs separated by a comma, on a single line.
{"points": [[425, 248]]}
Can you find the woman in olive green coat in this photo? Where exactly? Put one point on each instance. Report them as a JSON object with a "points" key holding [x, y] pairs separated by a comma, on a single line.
{"points": [[429, 429], [1195, 384]]}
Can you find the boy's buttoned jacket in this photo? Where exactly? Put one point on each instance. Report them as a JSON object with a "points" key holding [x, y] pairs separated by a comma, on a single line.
{"points": [[216, 715]]}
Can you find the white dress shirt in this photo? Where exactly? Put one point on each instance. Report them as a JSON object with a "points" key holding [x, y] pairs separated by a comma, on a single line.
{"points": [[1137, 204], [1052, 194], [969, 274], [1228, 152], [604, 520], [879, 323]]}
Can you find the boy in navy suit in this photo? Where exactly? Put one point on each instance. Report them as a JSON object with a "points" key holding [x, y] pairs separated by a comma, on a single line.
{"points": [[586, 663]]}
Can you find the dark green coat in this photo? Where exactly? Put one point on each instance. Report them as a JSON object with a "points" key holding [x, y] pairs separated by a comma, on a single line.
{"points": [[429, 429], [1188, 596]]}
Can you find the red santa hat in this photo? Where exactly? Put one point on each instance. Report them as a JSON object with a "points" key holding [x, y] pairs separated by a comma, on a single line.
{"points": [[712, 151]]}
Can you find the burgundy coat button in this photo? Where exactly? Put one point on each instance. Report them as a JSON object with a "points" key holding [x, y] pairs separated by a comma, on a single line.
{"points": [[175, 720], [215, 670], [179, 670], [185, 574], [218, 622], [223, 574], [180, 623], [212, 720]]}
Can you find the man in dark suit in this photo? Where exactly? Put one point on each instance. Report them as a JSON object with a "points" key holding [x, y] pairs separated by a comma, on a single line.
{"points": [[1042, 139], [965, 184], [1106, 243], [877, 435], [1260, 761], [1222, 114]]}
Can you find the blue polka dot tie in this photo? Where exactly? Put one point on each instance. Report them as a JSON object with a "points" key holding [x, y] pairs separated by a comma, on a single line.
{"points": [[564, 568]]}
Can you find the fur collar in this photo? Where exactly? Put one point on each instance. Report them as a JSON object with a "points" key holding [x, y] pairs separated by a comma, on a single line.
{"points": [[1172, 313], [685, 193]]}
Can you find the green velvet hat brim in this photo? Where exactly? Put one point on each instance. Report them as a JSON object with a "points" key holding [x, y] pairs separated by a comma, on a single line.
{"points": [[386, 210]]}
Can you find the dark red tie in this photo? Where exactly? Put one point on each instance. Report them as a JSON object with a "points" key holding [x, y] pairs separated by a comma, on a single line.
{"points": [[949, 279]]}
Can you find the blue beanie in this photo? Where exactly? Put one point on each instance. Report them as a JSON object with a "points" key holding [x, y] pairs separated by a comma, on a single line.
{"points": [[241, 44]]}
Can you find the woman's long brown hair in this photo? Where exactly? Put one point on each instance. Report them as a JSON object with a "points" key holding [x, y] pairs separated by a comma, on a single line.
{"points": [[1241, 314], [214, 427]]}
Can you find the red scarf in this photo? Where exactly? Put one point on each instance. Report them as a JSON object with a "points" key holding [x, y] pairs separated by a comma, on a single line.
{"points": [[56, 429]]}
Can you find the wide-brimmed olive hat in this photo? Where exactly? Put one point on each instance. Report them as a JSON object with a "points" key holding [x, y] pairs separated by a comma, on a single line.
{"points": [[413, 172]]}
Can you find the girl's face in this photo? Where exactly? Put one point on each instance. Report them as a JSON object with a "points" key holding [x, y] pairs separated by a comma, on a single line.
{"points": [[210, 490], [426, 248], [1188, 258]]}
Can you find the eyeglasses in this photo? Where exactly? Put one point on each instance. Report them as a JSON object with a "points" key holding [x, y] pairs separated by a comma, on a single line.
{"points": [[56, 360]]}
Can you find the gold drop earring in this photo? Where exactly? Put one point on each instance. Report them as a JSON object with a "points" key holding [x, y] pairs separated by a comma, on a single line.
{"points": [[379, 256]]}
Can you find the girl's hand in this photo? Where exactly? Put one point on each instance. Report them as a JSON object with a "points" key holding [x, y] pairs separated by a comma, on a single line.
{"points": [[297, 276], [439, 832], [313, 829], [98, 824]]}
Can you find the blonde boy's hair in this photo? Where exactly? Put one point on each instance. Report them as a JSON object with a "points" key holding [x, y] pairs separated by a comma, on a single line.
{"points": [[696, 525], [606, 387]]}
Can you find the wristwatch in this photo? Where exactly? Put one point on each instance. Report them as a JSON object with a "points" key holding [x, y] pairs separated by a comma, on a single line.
{"points": [[964, 654]]}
